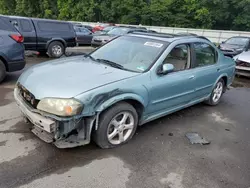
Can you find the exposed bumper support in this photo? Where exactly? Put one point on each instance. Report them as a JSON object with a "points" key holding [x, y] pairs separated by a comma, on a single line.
{"points": [[65, 133]]}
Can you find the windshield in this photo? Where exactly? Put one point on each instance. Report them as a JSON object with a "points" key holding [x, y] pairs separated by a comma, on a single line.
{"points": [[119, 31], [133, 53], [106, 29], [237, 41]]}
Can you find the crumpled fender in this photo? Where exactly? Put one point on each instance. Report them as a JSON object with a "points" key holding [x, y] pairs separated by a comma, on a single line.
{"points": [[118, 98]]}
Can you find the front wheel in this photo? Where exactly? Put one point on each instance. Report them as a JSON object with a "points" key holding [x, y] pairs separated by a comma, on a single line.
{"points": [[117, 126], [56, 49], [217, 93]]}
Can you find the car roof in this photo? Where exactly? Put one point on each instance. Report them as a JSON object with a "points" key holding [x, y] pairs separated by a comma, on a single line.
{"points": [[37, 19], [167, 37]]}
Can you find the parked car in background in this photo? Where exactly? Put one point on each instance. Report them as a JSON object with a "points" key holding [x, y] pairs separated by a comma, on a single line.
{"points": [[45, 35], [99, 40], [100, 27], [11, 49], [128, 82], [105, 30], [235, 45], [83, 36], [243, 64]]}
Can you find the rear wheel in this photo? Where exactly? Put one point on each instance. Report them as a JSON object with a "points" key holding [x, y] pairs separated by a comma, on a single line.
{"points": [[2, 71], [216, 93], [56, 49], [117, 126]]}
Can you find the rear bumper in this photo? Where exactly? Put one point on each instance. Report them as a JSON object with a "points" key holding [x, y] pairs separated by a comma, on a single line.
{"points": [[16, 65]]}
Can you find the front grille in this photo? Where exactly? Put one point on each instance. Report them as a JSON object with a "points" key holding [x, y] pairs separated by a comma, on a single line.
{"points": [[243, 64], [27, 96], [227, 50]]}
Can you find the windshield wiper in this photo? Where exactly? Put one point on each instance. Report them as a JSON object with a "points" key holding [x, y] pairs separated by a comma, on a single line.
{"points": [[111, 63], [89, 56]]}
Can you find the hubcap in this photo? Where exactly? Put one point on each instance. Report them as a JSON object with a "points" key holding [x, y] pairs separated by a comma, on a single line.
{"points": [[218, 90], [120, 128], [57, 50]]}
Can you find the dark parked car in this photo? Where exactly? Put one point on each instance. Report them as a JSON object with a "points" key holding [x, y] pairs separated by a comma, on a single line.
{"points": [[83, 36], [99, 40], [235, 45], [44, 35], [11, 49]]}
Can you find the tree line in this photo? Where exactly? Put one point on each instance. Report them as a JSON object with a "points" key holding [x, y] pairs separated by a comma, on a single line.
{"points": [[207, 14]]}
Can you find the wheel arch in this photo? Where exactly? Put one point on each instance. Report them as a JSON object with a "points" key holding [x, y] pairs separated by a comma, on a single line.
{"points": [[56, 40], [224, 77], [136, 101]]}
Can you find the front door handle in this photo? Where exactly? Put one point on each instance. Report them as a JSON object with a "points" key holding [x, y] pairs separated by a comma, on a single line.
{"points": [[191, 77]]}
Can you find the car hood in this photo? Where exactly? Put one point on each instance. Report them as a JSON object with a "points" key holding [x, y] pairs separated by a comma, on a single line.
{"points": [[104, 37], [244, 56], [230, 47], [68, 77]]}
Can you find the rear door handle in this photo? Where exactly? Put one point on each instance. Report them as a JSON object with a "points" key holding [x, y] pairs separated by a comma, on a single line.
{"points": [[191, 77]]}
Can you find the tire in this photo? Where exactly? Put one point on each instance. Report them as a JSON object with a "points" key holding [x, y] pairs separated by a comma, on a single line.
{"points": [[2, 71], [217, 90], [105, 128], [56, 49]]}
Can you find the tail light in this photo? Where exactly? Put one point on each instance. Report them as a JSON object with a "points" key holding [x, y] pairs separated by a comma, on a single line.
{"points": [[17, 38]]}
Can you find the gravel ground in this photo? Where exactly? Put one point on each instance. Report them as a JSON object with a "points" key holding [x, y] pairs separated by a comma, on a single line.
{"points": [[159, 155]]}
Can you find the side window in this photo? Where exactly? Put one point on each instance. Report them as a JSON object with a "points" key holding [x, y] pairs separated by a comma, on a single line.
{"points": [[26, 26], [53, 26], [205, 54], [83, 30], [179, 57]]}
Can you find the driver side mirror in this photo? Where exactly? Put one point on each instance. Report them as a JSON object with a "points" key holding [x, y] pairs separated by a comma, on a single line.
{"points": [[166, 68]]}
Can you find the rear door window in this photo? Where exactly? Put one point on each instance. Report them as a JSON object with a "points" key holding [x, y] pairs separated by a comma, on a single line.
{"points": [[205, 54], [84, 31], [53, 26], [26, 25]]}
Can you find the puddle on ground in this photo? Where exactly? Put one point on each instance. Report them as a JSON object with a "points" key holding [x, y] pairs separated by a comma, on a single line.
{"points": [[107, 172], [6, 96]]}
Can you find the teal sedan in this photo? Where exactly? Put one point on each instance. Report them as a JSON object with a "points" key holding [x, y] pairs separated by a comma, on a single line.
{"points": [[128, 82]]}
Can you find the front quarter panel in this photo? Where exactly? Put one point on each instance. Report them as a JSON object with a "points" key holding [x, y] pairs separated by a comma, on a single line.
{"points": [[103, 97]]}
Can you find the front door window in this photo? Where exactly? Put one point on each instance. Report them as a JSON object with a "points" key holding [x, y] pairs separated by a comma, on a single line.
{"points": [[179, 57]]}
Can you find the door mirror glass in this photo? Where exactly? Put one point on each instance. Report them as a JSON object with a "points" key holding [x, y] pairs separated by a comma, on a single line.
{"points": [[166, 68]]}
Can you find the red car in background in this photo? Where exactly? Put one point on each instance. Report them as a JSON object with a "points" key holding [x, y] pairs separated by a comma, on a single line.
{"points": [[102, 26]]}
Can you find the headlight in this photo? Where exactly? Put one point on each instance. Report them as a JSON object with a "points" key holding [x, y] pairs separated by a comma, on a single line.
{"points": [[239, 49], [60, 107]]}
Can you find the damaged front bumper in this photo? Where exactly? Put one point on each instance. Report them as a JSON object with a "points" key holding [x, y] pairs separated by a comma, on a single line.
{"points": [[62, 132], [243, 71]]}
